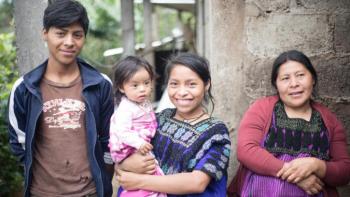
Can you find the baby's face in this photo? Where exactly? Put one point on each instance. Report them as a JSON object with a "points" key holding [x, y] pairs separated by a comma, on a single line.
{"points": [[139, 87]]}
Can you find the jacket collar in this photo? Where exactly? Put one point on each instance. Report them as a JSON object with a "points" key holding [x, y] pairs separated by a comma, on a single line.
{"points": [[89, 75]]}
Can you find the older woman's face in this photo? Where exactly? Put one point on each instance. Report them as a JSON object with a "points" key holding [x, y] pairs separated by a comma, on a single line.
{"points": [[294, 84]]}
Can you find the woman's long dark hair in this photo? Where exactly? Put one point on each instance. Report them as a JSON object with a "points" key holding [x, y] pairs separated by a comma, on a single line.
{"points": [[125, 69]]}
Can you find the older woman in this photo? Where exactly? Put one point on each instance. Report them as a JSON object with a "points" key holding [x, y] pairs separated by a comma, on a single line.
{"points": [[288, 144]]}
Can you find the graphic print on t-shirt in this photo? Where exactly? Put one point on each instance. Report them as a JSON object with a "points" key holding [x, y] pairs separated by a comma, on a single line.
{"points": [[63, 113]]}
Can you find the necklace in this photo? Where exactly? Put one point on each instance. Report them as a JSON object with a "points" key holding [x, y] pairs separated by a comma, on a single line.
{"points": [[191, 120]]}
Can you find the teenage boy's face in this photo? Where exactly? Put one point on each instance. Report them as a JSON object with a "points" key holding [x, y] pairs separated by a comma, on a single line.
{"points": [[64, 43]]}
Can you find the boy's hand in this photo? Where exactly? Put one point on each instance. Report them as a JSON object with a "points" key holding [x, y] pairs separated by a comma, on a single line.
{"points": [[145, 148]]}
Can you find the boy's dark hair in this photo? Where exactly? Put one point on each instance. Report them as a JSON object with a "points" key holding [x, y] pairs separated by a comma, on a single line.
{"points": [[63, 13], [125, 70], [197, 64]]}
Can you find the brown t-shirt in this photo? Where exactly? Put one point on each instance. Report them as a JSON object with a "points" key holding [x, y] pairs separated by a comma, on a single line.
{"points": [[60, 164]]}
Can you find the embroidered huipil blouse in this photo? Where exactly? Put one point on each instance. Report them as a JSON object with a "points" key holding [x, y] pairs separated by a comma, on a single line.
{"points": [[182, 147]]}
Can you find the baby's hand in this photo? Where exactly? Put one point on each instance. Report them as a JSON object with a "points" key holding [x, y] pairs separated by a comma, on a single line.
{"points": [[145, 148]]}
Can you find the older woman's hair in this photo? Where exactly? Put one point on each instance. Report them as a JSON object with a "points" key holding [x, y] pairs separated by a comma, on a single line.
{"points": [[292, 55]]}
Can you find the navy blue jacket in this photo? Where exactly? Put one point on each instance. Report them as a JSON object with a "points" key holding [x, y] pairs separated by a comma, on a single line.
{"points": [[25, 108]]}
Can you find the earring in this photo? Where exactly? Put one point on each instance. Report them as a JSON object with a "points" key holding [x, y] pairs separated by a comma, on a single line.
{"points": [[45, 44]]}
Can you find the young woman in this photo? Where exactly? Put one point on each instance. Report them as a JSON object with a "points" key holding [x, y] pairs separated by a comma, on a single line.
{"points": [[289, 144], [192, 147]]}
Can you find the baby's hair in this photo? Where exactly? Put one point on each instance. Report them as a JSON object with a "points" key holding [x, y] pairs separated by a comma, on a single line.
{"points": [[125, 70]]}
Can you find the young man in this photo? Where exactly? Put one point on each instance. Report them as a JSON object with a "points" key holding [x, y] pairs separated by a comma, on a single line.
{"points": [[59, 113]]}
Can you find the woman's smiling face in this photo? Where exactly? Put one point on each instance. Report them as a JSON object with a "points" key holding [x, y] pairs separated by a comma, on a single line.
{"points": [[294, 84], [186, 90]]}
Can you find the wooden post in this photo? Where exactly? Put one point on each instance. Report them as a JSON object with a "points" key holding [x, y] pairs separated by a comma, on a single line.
{"points": [[128, 29], [148, 31]]}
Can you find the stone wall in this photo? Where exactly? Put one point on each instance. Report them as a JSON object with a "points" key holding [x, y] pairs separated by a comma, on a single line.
{"points": [[242, 38]]}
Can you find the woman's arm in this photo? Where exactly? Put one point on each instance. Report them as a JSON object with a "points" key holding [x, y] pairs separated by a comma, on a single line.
{"points": [[250, 135], [181, 183], [338, 168], [138, 163]]}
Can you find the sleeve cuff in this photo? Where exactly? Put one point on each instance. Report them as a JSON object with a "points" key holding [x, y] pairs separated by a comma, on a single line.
{"points": [[108, 158]]}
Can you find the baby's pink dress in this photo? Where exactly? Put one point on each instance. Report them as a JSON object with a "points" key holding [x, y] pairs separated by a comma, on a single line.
{"points": [[132, 125]]}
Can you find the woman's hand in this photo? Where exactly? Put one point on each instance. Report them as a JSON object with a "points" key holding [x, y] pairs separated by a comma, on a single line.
{"points": [[311, 185], [128, 180], [138, 163], [301, 168]]}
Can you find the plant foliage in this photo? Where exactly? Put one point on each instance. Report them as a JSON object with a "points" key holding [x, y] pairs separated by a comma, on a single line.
{"points": [[11, 178]]}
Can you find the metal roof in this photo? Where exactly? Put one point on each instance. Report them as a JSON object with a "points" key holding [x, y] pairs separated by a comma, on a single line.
{"points": [[182, 5]]}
